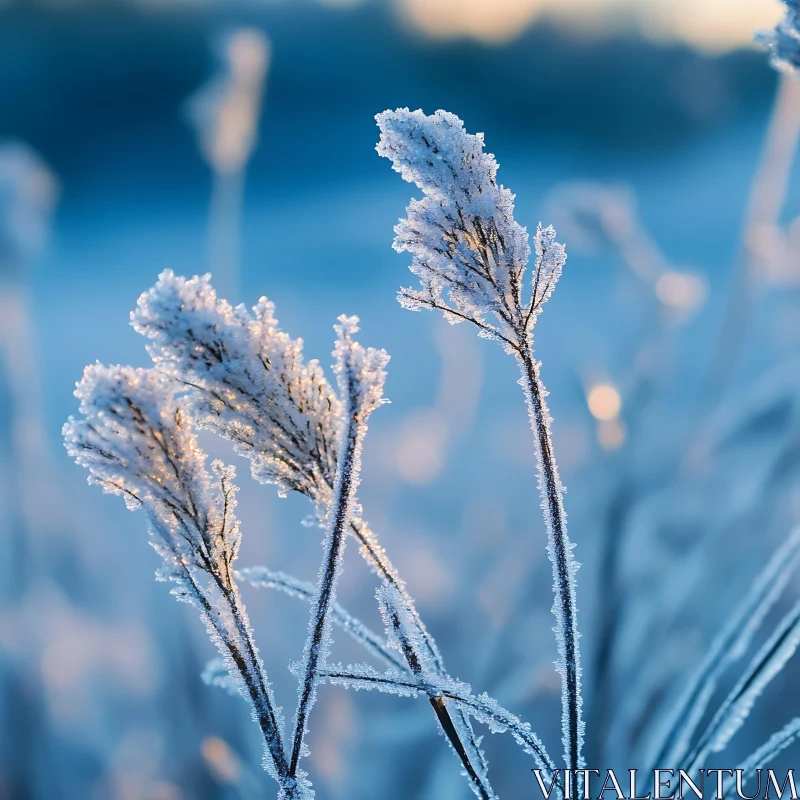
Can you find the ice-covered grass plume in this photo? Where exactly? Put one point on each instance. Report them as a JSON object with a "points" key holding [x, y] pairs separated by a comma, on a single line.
{"points": [[250, 382], [136, 441], [471, 256]]}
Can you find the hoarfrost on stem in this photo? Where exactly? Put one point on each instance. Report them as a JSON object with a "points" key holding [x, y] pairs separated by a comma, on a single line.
{"points": [[482, 707], [361, 375], [470, 255]]}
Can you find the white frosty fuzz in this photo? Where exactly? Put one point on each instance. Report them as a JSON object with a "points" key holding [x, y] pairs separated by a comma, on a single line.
{"points": [[248, 379]]}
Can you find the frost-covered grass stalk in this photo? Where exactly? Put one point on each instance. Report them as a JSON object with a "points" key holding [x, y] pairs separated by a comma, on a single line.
{"points": [[233, 371], [729, 647], [471, 256], [360, 376], [28, 192], [134, 435], [136, 441]]}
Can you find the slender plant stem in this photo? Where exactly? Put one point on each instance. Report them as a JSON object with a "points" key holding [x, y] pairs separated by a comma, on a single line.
{"points": [[483, 709], [243, 626], [560, 550], [320, 624], [609, 613]]}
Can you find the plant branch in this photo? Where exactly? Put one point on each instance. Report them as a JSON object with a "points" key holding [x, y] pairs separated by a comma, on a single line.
{"points": [[361, 377]]}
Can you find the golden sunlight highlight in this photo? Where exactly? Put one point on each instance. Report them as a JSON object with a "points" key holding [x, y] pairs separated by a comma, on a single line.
{"points": [[713, 25]]}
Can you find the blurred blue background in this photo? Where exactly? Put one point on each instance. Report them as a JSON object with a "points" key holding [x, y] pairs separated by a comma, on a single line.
{"points": [[637, 128]]}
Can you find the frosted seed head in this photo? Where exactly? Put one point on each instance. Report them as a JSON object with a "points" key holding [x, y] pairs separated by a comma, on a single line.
{"points": [[225, 110], [246, 380], [467, 249], [28, 192], [136, 440]]}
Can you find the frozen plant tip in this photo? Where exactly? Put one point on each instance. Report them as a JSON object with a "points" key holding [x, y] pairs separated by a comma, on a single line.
{"points": [[467, 249], [471, 256], [783, 41], [136, 441]]}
